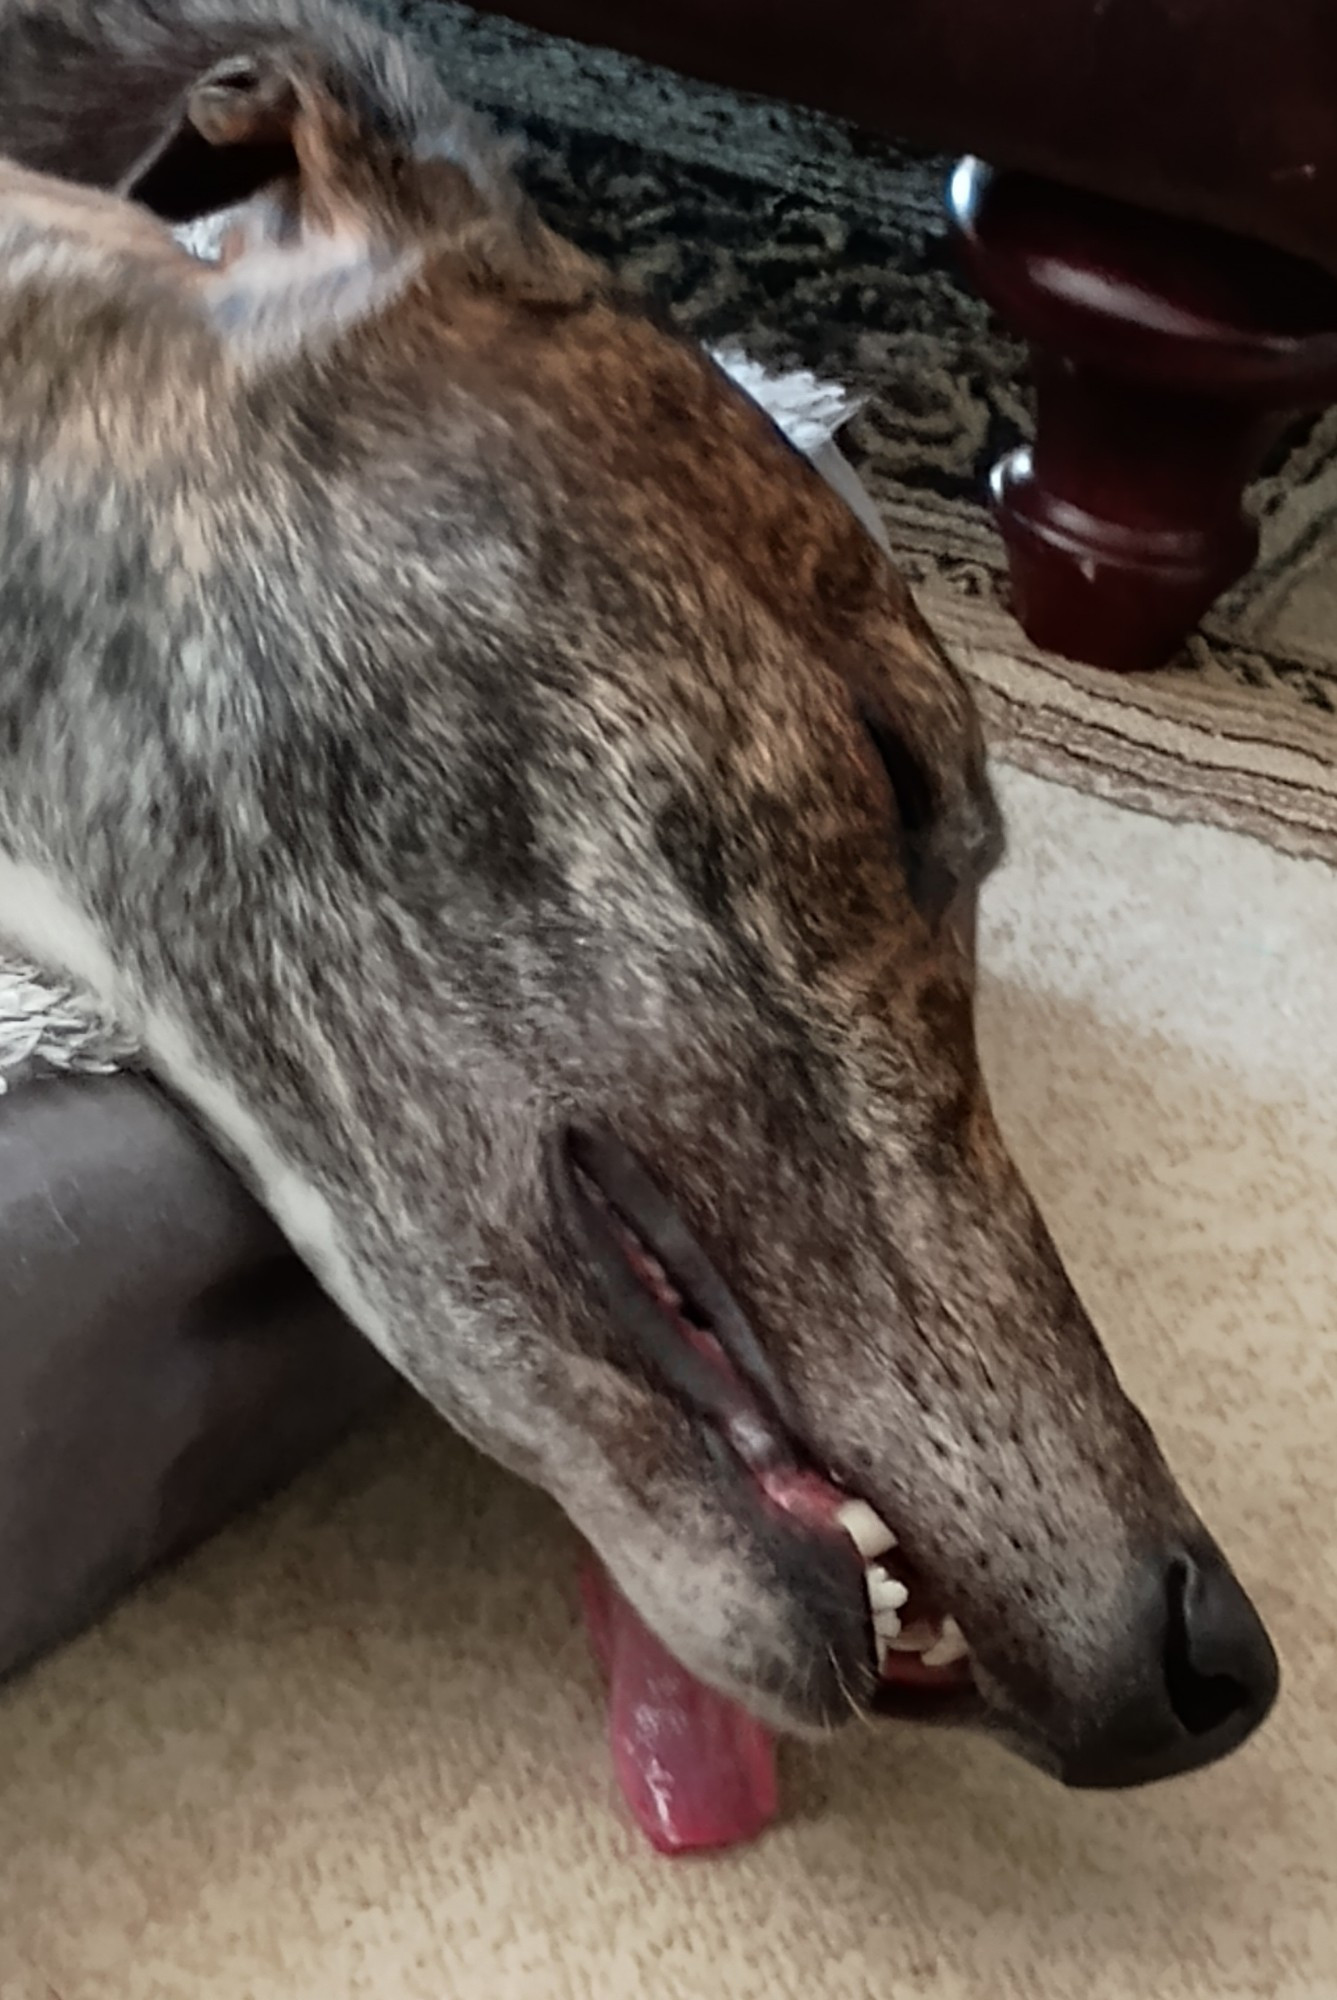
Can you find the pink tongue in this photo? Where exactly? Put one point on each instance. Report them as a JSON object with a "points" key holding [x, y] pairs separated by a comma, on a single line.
{"points": [[696, 1770]]}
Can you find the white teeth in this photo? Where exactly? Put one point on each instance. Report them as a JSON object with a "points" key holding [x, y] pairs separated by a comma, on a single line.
{"points": [[885, 1593], [914, 1637], [868, 1531], [950, 1647]]}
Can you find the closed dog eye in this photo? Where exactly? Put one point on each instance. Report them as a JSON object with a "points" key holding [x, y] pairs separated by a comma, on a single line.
{"points": [[932, 883], [948, 838]]}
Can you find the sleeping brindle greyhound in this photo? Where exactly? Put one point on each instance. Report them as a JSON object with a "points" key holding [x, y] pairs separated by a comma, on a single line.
{"points": [[524, 818]]}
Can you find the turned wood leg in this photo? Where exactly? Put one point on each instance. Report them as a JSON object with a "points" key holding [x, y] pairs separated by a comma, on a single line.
{"points": [[1167, 359]]}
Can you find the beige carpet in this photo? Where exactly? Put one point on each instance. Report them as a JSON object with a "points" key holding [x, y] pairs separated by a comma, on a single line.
{"points": [[352, 1750]]}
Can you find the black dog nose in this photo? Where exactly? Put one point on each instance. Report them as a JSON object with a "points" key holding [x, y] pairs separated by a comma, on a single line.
{"points": [[1199, 1676]]}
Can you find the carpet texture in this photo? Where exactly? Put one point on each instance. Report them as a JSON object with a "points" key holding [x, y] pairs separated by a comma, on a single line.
{"points": [[812, 244], [353, 1750]]}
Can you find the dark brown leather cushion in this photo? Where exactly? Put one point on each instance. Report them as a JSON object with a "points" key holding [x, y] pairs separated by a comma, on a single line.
{"points": [[1224, 111], [164, 1360]]}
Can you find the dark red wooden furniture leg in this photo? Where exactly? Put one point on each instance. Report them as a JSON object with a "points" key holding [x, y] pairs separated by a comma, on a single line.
{"points": [[1167, 359]]}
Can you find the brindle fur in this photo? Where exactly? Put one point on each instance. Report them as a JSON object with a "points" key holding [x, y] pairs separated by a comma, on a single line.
{"points": [[436, 702]]}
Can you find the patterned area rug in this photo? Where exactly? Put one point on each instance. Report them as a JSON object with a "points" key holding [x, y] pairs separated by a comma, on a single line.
{"points": [[815, 245]]}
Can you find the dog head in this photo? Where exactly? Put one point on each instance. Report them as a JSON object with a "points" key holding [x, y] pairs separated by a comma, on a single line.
{"points": [[578, 836]]}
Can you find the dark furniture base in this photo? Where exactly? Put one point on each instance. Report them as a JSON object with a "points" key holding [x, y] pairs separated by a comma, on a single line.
{"points": [[1169, 353], [1168, 358]]}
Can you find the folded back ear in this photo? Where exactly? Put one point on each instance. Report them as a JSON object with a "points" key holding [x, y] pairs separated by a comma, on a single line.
{"points": [[272, 186], [247, 101], [233, 136]]}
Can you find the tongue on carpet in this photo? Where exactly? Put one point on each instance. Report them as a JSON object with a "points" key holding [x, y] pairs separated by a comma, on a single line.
{"points": [[695, 1769]]}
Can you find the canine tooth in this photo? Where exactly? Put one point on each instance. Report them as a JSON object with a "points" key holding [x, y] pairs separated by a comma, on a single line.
{"points": [[885, 1593], [950, 1648], [868, 1531]]}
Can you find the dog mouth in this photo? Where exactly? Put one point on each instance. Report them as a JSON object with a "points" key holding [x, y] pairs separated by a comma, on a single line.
{"points": [[675, 1311]]}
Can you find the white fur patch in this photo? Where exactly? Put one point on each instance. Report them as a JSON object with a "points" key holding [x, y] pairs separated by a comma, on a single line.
{"points": [[38, 918], [301, 1211], [273, 294], [275, 302]]}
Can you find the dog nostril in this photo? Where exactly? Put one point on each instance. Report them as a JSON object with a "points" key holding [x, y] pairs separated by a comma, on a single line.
{"points": [[1195, 1675], [1203, 1693]]}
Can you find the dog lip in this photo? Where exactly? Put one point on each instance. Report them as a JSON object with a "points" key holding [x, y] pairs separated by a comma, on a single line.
{"points": [[700, 1346], [601, 1183]]}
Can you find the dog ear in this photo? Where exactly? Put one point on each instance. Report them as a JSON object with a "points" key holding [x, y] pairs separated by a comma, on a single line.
{"points": [[263, 175], [231, 138]]}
